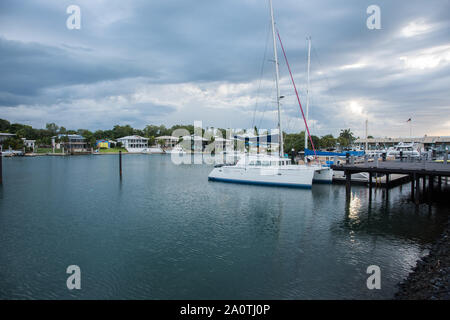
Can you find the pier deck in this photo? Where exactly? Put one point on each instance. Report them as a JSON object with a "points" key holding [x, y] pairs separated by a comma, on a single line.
{"points": [[425, 170], [398, 167]]}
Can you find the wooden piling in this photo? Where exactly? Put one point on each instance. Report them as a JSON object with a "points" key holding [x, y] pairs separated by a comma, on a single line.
{"points": [[412, 178], [387, 181], [417, 188], [348, 182], [120, 164]]}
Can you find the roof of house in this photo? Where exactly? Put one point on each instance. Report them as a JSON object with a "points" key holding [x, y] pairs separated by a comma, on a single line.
{"points": [[76, 136], [194, 138], [167, 138], [132, 137]]}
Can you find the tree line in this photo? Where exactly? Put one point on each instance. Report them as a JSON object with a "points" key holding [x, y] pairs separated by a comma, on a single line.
{"points": [[43, 136]]}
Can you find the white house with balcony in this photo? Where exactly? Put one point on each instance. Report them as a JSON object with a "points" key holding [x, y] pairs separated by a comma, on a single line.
{"points": [[134, 143]]}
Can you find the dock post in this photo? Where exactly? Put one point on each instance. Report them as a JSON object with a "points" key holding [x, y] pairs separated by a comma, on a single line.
{"points": [[348, 182], [120, 164], [1, 168], [417, 188], [412, 178], [387, 181], [370, 185], [424, 183], [439, 182]]}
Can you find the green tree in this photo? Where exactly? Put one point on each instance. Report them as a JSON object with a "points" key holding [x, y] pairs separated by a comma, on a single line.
{"points": [[52, 128], [122, 131], [327, 141], [346, 137], [4, 125], [14, 143]]}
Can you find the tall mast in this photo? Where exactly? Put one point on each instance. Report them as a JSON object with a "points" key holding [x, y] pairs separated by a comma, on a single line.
{"points": [[280, 132], [307, 89]]}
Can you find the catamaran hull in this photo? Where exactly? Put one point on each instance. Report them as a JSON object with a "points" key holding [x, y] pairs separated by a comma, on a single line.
{"points": [[271, 177], [323, 176]]}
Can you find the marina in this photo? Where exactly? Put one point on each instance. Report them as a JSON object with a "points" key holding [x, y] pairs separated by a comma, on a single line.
{"points": [[224, 150]]}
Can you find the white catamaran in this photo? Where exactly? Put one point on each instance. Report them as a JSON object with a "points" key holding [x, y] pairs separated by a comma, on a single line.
{"points": [[268, 169]]}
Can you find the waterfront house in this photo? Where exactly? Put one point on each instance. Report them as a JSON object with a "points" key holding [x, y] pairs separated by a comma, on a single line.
{"points": [[197, 143], [30, 144], [103, 144], [134, 143], [3, 137], [167, 141], [70, 142], [223, 144]]}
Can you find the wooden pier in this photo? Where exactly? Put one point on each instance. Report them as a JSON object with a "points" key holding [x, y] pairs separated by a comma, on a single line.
{"points": [[433, 172]]}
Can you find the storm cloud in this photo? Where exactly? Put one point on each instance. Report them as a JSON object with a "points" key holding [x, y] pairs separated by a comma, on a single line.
{"points": [[151, 62]]}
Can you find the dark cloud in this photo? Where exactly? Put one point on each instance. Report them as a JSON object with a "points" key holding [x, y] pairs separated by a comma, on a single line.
{"points": [[141, 58]]}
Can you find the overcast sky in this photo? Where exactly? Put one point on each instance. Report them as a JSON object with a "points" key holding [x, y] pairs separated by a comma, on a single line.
{"points": [[177, 61]]}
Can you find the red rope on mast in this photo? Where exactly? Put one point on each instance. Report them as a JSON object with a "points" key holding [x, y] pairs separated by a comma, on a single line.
{"points": [[296, 93]]}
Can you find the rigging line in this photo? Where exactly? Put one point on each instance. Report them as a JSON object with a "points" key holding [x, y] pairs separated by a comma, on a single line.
{"points": [[265, 105], [261, 75], [333, 98], [296, 92]]}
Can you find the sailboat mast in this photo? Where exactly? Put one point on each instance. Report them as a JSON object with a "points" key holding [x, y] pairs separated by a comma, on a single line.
{"points": [[277, 79], [307, 89]]}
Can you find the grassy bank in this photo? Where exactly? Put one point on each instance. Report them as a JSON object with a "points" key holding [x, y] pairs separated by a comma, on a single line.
{"points": [[113, 150], [48, 150]]}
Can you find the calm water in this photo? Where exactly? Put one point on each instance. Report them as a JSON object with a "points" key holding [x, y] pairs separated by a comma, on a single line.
{"points": [[165, 232]]}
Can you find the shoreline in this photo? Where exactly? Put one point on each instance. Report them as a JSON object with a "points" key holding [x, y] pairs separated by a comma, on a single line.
{"points": [[430, 278]]}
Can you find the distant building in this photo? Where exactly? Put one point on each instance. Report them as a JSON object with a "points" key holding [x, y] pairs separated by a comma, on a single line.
{"points": [[29, 143], [103, 144], [426, 142], [4, 136], [198, 143], [134, 143], [70, 142], [169, 141]]}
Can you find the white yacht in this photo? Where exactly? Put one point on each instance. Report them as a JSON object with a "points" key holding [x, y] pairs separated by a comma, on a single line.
{"points": [[269, 169], [407, 149], [266, 170]]}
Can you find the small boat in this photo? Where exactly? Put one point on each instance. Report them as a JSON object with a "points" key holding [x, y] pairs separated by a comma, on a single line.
{"points": [[154, 150], [177, 149]]}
